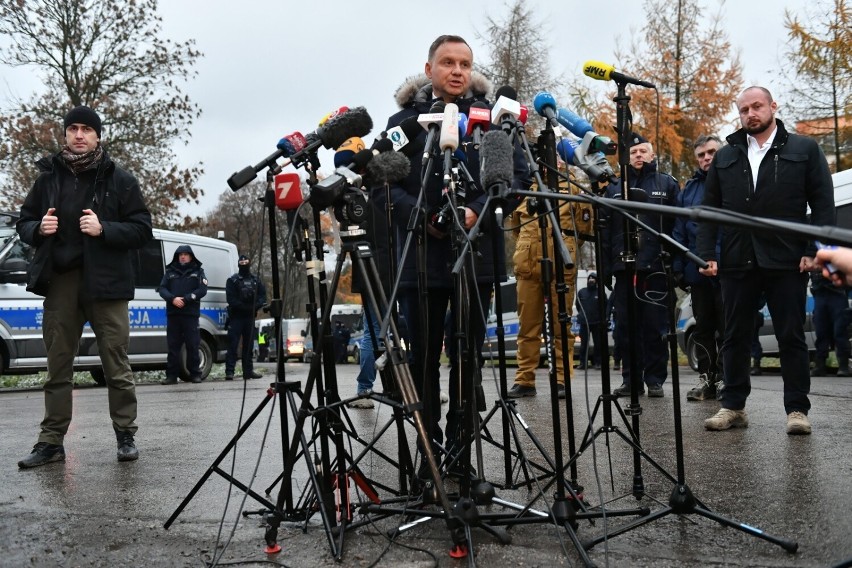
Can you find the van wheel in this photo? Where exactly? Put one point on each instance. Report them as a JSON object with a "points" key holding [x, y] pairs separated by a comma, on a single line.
{"points": [[692, 352], [206, 364], [98, 376]]}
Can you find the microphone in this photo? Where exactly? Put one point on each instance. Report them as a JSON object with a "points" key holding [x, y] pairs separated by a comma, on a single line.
{"points": [[580, 127], [595, 166], [604, 72], [496, 167], [288, 191], [545, 105], [333, 114], [506, 110], [388, 167], [381, 145], [354, 122], [478, 121], [431, 122], [347, 151], [404, 135], [449, 139], [292, 143]]}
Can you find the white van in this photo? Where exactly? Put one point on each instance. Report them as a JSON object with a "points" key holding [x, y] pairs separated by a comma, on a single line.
{"points": [[22, 347]]}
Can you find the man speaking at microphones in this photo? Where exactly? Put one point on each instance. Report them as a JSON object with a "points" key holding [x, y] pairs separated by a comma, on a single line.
{"points": [[449, 77]]}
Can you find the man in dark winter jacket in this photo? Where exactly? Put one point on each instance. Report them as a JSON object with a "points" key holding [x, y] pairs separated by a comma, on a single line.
{"points": [[84, 214], [182, 287], [449, 77], [705, 291], [650, 285], [764, 172], [589, 319], [245, 294]]}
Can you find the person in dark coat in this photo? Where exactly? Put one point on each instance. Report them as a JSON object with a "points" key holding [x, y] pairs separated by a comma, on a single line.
{"points": [[589, 319], [245, 294], [765, 171], [84, 215], [705, 291], [650, 285], [449, 77], [182, 287]]}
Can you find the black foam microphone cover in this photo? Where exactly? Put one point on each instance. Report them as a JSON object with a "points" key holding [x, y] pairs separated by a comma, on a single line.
{"points": [[506, 91], [354, 122], [388, 167], [495, 159]]}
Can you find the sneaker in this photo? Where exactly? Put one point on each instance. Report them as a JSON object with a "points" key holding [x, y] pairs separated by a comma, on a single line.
{"points": [[720, 386], [43, 453], [229, 377], [704, 390], [363, 401], [755, 371], [727, 418], [445, 398], [655, 391], [169, 381], [520, 391], [624, 390], [798, 423], [560, 391], [126, 447], [195, 380]]}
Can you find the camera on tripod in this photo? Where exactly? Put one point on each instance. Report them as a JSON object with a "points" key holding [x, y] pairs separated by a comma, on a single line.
{"points": [[341, 191]]}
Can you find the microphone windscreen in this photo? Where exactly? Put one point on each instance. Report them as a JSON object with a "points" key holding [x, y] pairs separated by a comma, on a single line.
{"points": [[346, 151], [382, 145], [354, 122], [495, 159], [361, 159], [388, 167], [506, 91], [543, 100], [566, 148], [438, 106]]}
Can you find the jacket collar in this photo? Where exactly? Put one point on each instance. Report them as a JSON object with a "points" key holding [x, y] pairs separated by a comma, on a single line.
{"points": [[416, 90]]}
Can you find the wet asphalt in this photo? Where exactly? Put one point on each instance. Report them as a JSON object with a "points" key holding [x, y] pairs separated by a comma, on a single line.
{"points": [[93, 511]]}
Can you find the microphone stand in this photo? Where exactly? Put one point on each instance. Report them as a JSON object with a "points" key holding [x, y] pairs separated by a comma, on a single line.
{"points": [[681, 501]]}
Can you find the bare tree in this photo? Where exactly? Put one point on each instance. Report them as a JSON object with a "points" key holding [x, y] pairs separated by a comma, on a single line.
{"points": [[697, 73], [109, 56], [821, 86]]}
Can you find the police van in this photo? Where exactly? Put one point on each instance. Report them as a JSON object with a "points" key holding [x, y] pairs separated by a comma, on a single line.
{"points": [[22, 348]]}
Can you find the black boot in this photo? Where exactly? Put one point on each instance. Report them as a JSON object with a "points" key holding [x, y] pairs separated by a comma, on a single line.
{"points": [[126, 447], [819, 367], [755, 368], [843, 367]]}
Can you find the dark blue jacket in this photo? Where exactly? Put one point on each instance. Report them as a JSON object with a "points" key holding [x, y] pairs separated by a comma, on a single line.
{"points": [[415, 98], [661, 189], [245, 294], [686, 230], [185, 281], [792, 176], [114, 195]]}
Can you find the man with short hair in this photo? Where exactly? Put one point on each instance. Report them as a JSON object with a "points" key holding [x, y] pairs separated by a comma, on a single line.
{"points": [[765, 172], [705, 292], [84, 215], [182, 287], [650, 287], [245, 294]]}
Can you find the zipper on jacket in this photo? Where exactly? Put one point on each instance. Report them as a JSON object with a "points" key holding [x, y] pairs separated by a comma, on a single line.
{"points": [[776, 169]]}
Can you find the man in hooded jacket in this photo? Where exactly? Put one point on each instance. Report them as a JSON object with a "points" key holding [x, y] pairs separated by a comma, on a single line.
{"points": [[182, 287]]}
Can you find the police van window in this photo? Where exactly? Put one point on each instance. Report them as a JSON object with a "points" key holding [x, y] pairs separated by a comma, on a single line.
{"points": [[149, 265], [218, 266]]}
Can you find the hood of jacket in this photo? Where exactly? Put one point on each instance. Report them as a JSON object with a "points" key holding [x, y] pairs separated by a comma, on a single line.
{"points": [[418, 89], [181, 249]]}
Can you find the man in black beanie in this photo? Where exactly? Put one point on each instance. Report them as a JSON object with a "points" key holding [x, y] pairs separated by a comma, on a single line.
{"points": [[246, 294], [83, 215]]}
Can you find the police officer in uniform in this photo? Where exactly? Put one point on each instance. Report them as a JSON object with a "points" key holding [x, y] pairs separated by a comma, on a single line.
{"points": [[245, 294]]}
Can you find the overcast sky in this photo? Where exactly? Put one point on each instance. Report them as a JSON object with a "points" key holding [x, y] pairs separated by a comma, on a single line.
{"points": [[271, 67]]}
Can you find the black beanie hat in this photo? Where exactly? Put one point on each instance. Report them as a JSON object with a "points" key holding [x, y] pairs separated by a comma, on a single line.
{"points": [[83, 115]]}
